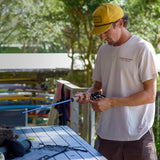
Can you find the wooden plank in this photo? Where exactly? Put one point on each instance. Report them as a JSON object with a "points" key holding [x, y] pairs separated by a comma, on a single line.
{"points": [[71, 154], [55, 135], [73, 143], [45, 140], [40, 138], [92, 126], [48, 136], [86, 116], [65, 136], [23, 97], [28, 132], [20, 133], [31, 134], [10, 107], [74, 114], [88, 130], [13, 117], [21, 80], [38, 75], [94, 153], [61, 157], [51, 132], [53, 118]]}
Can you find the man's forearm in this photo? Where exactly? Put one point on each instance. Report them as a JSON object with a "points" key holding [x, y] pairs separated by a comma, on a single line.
{"points": [[137, 99], [145, 96], [140, 98]]}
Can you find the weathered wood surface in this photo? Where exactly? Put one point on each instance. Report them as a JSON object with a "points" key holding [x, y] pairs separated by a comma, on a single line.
{"points": [[82, 117], [56, 135]]}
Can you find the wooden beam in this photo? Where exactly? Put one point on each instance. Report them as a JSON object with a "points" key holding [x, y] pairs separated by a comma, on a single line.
{"points": [[21, 80], [16, 98]]}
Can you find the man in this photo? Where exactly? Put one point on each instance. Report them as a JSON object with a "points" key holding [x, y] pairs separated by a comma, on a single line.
{"points": [[125, 72]]}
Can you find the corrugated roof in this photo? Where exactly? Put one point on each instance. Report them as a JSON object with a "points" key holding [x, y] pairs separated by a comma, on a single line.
{"points": [[36, 61], [43, 61]]}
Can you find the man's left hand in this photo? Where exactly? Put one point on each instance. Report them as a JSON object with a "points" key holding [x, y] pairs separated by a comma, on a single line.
{"points": [[101, 104]]}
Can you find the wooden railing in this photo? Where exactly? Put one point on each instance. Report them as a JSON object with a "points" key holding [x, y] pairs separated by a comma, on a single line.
{"points": [[82, 117]]}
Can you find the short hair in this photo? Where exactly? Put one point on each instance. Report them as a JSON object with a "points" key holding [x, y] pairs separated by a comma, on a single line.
{"points": [[125, 19]]}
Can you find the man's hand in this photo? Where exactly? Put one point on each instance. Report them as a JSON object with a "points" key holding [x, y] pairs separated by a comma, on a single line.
{"points": [[83, 97], [101, 104]]}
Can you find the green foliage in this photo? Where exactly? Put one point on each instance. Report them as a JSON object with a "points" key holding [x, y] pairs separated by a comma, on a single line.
{"points": [[9, 20], [158, 83], [156, 126], [64, 25], [77, 31], [33, 22], [144, 19], [78, 78], [61, 25], [156, 130]]}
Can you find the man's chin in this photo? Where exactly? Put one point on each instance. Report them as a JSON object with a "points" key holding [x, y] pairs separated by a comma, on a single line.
{"points": [[112, 43]]}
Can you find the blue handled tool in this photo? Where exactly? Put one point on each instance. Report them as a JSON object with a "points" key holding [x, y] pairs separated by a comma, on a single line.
{"points": [[69, 100], [94, 96]]}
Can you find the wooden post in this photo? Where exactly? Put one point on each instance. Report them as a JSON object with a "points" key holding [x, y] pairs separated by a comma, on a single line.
{"points": [[74, 115], [92, 126], [87, 130]]}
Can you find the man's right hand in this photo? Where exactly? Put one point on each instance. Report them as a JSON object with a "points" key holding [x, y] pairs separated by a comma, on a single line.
{"points": [[84, 97]]}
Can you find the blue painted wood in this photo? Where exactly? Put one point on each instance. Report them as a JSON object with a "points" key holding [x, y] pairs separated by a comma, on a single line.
{"points": [[13, 117], [83, 143], [55, 135], [67, 136], [18, 107]]}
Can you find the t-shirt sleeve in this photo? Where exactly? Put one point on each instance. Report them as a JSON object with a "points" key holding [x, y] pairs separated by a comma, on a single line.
{"points": [[147, 65]]}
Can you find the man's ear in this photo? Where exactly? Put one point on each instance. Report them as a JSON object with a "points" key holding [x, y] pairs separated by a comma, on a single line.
{"points": [[120, 22]]}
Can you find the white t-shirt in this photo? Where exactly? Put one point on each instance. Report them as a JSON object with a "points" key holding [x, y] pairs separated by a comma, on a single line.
{"points": [[122, 70]]}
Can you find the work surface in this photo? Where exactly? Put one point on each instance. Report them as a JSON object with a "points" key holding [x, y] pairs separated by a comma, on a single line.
{"points": [[56, 143]]}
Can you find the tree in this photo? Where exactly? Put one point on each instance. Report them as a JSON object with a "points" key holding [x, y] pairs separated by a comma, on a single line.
{"points": [[41, 24], [8, 20], [64, 26], [31, 23], [144, 19], [143, 22], [79, 16]]}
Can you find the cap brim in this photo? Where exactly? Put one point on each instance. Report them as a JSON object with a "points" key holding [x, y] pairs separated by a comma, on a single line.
{"points": [[100, 29]]}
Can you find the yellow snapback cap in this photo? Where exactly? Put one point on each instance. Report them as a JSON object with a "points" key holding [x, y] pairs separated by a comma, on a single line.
{"points": [[104, 16]]}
